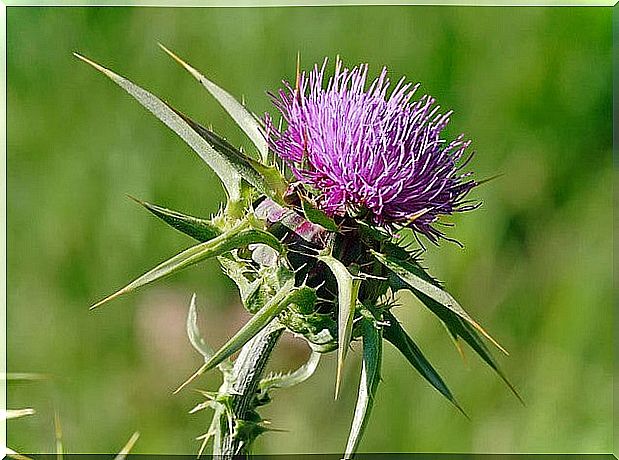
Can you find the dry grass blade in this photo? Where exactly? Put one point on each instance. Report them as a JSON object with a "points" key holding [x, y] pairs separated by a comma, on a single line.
{"points": [[17, 413], [127, 447]]}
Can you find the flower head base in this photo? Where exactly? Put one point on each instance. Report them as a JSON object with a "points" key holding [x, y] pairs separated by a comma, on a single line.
{"points": [[368, 153]]}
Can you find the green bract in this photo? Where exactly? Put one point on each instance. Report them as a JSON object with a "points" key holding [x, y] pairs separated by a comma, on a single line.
{"points": [[328, 280]]}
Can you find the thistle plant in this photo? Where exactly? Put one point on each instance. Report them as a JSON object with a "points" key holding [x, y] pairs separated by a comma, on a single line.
{"points": [[312, 234]]}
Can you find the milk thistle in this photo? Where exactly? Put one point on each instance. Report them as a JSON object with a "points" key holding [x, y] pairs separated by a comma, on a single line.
{"points": [[311, 234]]}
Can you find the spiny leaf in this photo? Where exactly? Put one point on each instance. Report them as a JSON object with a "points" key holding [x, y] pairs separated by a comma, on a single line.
{"points": [[347, 291], [370, 377], [196, 339], [237, 237], [195, 227], [417, 279], [286, 296], [460, 328], [395, 334], [292, 378], [127, 447], [266, 179], [230, 178], [246, 121]]}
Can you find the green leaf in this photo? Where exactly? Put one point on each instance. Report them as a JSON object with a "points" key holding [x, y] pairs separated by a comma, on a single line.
{"points": [[416, 278], [370, 377], [266, 179], [195, 227], [230, 178], [459, 328], [239, 236], [246, 121], [317, 216], [347, 292], [290, 379], [286, 296], [195, 338], [395, 334]]}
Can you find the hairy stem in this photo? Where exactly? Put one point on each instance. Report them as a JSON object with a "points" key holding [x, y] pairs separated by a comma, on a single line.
{"points": [[248, 370]]}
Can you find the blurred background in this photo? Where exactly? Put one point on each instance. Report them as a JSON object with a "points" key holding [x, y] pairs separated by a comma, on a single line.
{"points": [[531, 87]]}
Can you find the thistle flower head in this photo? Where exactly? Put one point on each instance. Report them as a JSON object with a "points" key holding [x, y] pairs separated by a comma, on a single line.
{"points": [[366, 152]]}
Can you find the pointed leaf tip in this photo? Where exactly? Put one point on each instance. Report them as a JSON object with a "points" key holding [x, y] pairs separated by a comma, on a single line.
{"points": [[171, 118], [243, 118], [417, 280], [108, 298], [347, 292], [397, 336], [199, 229], [368, 384], [239, 236], [287, 295]]}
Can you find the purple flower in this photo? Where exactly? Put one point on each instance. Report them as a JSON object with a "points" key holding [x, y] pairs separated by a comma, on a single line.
{"points": [[364, 152]]}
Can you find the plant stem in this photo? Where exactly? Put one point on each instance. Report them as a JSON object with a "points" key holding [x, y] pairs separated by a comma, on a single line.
{"points": [[248, 370]]}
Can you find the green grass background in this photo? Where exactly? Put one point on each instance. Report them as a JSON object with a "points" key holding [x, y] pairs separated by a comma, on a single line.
{"points": [[531, 86]]}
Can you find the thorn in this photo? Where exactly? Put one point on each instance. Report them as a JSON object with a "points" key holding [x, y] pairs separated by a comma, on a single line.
{"points": [[187, 67], [460, 351], [137, 200], [338, 377], [199, 407], [489, 337], [191, 379], [297, 270], [108, 298], [206, 437], [460, 409]]}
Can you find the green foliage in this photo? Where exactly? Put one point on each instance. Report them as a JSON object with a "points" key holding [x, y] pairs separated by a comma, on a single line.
{"points": [[255, 260], [195, 227], [245, 120], [289, 379], [445, 307], [288, 294], [544, 301], [239, 236], [347, 291], [316, 216], [416, 279], [177, 123], [368, 384], [395, 334]]}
